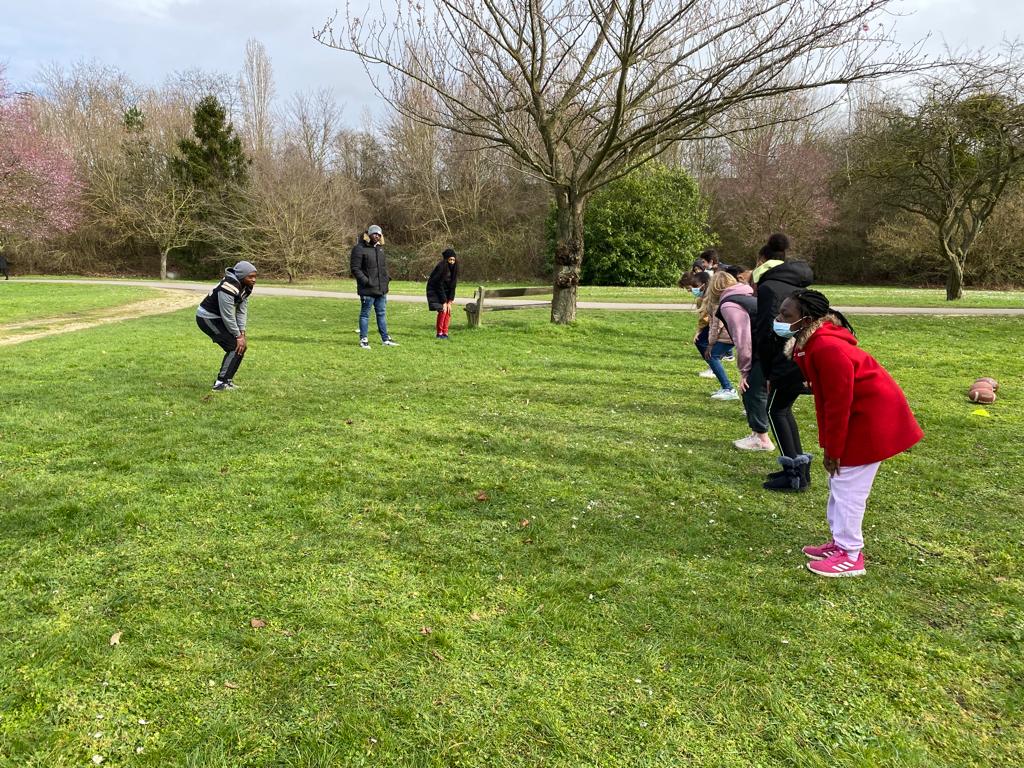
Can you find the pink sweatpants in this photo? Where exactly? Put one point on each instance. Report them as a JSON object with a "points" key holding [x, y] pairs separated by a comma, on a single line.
{"points": [[847, 496]]}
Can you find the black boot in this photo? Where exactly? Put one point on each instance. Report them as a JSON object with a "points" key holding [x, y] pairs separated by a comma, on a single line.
{"points": [[792, 478]]}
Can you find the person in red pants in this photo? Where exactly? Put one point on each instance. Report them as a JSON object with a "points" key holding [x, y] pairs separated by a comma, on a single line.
{"points": [[441, 290]]}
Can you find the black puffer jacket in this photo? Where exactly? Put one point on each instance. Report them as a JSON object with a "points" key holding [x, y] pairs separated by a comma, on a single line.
{"points": [[369, 268], [775, 286], [441, 285]]}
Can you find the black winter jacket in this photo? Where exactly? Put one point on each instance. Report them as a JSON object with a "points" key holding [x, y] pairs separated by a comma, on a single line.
{"points": [[441, 285], [775, 286], [369, 268]]}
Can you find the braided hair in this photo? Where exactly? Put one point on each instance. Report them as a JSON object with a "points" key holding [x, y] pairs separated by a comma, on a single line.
{"points": [[814, 304]]}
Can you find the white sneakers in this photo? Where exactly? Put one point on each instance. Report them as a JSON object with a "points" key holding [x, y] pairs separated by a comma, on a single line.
{"points": [[754, 443], [725, 394]]}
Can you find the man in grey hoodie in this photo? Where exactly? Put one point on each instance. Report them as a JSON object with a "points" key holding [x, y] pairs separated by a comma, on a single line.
{"points": [[222, 316]]}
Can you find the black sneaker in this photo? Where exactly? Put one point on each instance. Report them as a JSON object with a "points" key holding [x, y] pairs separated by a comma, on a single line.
{"points": [[364, 343], [389, 342], [221, 386]]}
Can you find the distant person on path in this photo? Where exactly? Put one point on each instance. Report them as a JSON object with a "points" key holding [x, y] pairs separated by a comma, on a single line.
{"points": [[3, 264], [863, 419], [441, 290], [370, 269], [222, 316], [784, 381]]}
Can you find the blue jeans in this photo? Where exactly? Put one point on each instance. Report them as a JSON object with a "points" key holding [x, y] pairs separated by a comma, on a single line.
{"points": [[380, 305], [720, 350]]}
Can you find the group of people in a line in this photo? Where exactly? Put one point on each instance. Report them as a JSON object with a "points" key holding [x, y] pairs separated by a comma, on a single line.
{"points": [[787, 340]]}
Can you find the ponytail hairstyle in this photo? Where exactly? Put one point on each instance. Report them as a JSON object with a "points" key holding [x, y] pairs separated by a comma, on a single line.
{"points": [[814, 305]]}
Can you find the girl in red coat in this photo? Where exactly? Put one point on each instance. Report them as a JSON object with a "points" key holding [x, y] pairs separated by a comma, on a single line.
{"points": [[863, 419]]}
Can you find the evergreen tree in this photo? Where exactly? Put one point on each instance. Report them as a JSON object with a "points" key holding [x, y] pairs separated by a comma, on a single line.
{"points": [[214, 164], [214, 160]]}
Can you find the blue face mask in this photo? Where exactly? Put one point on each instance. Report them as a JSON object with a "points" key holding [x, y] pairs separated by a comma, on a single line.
{"points": [[785, 330], [696, 292]]}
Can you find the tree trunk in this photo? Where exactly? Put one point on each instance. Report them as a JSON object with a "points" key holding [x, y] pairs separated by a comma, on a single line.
{"points": [[568, 256], [163, 263], [955, 276]]}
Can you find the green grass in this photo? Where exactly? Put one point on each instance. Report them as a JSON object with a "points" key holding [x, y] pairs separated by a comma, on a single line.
{"points": [[841, 295], [31, 301], [654, 610]]}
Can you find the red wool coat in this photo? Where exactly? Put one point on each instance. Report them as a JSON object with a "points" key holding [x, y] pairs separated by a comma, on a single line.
{"points": [[863, 415]]}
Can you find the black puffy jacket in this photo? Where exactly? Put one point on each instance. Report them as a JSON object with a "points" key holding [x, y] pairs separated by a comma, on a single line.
{"points": [[441, 285], [775, 286], [369, 267]]}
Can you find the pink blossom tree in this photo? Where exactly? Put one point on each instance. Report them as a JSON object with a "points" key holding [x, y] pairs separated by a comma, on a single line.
{"points": [[39, 188]]}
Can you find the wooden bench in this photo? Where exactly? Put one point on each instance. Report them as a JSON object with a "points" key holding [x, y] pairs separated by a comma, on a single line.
{"points": [[480, 305]]}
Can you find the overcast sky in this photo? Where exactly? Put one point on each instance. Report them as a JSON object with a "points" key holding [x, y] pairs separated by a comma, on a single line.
{"points": [[148, 39]]}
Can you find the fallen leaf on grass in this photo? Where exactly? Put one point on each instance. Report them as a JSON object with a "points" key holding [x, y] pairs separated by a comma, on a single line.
{"points": [[426, 631], [224, 469], [115, 639], [349, 422], [524, 523], [437, 655], [474, 616], [482, 496], [257, 623], [229, 684]]}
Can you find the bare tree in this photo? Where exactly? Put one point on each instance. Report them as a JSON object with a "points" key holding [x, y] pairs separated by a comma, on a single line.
{"points": [[313, 124], [296, 219], [256, 90], [949, 157], [580, 92]]}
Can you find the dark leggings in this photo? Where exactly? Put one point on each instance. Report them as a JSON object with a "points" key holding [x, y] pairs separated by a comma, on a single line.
{"points": [[223, 338], [780, 415]]}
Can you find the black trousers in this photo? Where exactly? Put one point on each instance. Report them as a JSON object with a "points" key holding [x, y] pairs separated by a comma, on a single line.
{"points": [[783, 394], [223, 338]]}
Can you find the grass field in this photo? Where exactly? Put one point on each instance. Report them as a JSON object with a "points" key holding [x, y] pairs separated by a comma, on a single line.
{"points": [[841, 295], [529, 546], [21, 302]]}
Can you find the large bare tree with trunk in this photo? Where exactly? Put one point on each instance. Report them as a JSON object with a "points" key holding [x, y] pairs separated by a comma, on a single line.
{"points": [[580, 92], [949, 156]]}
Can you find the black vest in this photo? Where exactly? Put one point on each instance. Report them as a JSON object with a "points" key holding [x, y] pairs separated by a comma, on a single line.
{"points": [[230, 285], [749, 304]]}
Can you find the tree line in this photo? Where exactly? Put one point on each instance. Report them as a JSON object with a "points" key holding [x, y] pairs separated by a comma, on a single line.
{"points": [[920, 184]]}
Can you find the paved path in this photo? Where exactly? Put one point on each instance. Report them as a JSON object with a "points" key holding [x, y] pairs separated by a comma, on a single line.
{"points": [[273, 290]]}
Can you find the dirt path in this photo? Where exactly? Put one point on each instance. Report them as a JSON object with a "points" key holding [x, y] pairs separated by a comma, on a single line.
{"points": [[168, 301]]}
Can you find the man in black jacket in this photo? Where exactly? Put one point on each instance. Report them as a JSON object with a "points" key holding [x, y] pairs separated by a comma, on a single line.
{"points": [[370, 269]]}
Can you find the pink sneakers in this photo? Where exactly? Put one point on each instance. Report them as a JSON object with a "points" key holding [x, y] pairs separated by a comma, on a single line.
{"points": [[837, 565], [821, 552]]}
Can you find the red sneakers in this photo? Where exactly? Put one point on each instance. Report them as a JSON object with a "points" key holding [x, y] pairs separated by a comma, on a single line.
{"points": [[838, 565], [821, 552]]}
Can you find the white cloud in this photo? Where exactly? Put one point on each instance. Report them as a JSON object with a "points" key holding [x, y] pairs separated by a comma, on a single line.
{"points": [[153, 9]]}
